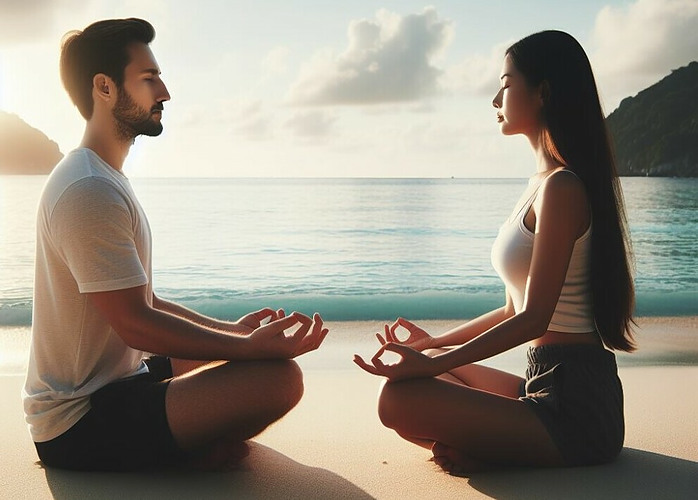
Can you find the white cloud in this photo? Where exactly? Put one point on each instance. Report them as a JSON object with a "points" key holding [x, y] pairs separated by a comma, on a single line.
{"points": [[24, 20], [633, 46], [276, 61], [388, 59], [477, 74], [30, 21], [251, 121], [311, 124], [247, 119]]}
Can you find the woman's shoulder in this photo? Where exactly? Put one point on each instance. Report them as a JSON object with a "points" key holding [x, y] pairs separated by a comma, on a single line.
{"points": [[563, 194], [562, 183]]}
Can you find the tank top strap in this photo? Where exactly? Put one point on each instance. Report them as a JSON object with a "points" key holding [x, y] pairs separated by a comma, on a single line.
{"points": [[527, 204], [565, 170], [529, 201]]}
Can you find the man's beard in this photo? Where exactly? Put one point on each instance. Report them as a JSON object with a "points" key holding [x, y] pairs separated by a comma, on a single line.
{"points": [[133, 120]]}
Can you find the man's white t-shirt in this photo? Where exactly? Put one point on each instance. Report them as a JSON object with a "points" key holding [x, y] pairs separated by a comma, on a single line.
{"points": [[92, 236]]}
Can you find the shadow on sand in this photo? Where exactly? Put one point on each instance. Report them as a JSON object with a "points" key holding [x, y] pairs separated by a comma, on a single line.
{"points": [[636, 474], [265, 474]]}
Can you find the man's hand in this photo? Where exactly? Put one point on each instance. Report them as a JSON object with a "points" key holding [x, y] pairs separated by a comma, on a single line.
{"points": [[272, 341], [250, 322]]}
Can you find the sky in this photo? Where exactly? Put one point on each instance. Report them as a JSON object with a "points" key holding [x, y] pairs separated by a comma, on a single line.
{"points": [[360, 88]]}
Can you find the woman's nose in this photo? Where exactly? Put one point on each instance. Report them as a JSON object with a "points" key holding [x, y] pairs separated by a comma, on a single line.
{"points": [[497, 101]]}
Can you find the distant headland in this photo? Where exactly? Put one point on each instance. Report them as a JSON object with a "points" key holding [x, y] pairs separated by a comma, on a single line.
{"points": [[656, 132], [24, 149]]}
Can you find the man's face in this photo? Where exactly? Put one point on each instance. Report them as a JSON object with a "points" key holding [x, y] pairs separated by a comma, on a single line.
{"points": [[138, 108]]}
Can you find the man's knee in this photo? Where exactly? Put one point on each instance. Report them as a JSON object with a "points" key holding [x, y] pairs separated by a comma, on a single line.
{"points": [[295, 382], [288, 387]]}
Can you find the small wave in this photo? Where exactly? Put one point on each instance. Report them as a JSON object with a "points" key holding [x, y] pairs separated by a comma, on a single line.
{"points": [[16, 313], [230, 305], [356, 307], [666, 303]]}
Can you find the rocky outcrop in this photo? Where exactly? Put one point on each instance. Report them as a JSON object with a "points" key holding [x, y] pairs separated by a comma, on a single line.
{"points": [[24, 149]]}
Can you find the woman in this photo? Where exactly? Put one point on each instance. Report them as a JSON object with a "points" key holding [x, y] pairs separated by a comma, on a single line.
{"points": [[564, 257]]}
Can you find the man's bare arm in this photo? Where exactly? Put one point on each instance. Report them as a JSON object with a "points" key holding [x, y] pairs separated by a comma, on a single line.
{"points": [[147, 328], [195, 317]]}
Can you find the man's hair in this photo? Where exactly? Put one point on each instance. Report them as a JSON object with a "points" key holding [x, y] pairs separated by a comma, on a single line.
{"points": [[102, 47]]}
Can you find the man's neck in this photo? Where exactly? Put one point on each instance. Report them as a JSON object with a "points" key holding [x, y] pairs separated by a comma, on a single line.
{"points": [[104, 143]]}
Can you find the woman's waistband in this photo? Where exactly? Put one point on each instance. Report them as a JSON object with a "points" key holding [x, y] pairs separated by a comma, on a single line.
{"points": [[557, 353]]}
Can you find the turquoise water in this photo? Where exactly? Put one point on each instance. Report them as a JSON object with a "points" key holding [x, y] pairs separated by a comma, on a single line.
{"points": [[352, 248]]}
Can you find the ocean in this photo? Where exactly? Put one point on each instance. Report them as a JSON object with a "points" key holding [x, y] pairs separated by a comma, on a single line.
{"points": [[351, 249]]}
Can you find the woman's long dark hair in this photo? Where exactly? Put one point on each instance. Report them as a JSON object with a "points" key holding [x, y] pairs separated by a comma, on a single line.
{"points": [[575, 135]]}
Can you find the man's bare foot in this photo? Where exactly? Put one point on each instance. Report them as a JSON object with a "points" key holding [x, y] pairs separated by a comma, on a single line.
{"points": [[222, 456], [456, 462]]}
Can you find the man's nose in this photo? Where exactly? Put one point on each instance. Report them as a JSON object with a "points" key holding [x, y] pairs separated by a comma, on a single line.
{"points": [[164, 94]]}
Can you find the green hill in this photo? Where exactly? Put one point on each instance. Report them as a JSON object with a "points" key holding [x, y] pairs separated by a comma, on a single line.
{"points": [[24, 149], [656, 132]]}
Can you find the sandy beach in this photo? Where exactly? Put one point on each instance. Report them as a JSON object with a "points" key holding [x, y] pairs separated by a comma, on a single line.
{"points": [[333, 445]]}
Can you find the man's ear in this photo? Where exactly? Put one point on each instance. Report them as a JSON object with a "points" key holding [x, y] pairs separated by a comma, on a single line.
{"points": [[103, 87]]}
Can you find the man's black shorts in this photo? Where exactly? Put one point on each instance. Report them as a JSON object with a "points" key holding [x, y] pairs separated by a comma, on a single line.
{"points": [[125, 429]]}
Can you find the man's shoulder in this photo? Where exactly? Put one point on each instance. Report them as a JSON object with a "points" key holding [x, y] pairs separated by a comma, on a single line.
{"points": [[76, 165], [79, 174]]}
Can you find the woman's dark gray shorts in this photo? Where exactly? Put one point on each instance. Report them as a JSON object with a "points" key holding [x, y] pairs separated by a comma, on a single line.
{"points": [[576, 393]]}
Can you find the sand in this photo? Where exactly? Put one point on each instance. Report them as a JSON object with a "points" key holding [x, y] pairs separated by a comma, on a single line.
{"points": [[333, 446]]}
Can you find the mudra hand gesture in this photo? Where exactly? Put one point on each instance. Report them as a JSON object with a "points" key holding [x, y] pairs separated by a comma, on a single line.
{"points": [[412, 363], [272, 341], [418, 338], [252, 321]]}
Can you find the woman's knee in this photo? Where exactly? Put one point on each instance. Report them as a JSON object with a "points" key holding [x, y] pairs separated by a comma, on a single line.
{"points": [[391, 403]]}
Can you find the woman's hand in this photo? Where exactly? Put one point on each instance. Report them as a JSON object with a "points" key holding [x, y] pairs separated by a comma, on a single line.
{"points": [[412, 363], [418, 338]]}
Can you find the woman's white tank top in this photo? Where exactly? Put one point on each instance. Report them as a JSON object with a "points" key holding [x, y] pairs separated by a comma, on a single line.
{"points": [[511, 258]]}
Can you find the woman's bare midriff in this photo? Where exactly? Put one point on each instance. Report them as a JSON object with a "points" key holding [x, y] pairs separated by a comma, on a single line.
{"points": [[551, 337]]}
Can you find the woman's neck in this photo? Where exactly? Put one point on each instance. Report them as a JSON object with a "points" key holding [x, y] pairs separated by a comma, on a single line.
{"points": [[544, 162]]}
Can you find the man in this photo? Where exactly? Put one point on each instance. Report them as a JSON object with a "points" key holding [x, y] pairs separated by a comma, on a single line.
{"points": [[93, 399]]}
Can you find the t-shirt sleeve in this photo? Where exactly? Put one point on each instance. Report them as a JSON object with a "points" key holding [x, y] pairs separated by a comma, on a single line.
{"points": [[93, 226]]}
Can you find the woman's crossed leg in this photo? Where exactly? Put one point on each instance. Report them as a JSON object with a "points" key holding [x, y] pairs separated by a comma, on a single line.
{"points": [[469, 427]]}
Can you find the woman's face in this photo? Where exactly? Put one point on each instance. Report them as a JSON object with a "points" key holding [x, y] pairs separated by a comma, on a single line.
{"points": [[518, 105]]}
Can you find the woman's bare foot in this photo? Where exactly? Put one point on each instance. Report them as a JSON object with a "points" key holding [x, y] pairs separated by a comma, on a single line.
{"points": [[456, 462]]}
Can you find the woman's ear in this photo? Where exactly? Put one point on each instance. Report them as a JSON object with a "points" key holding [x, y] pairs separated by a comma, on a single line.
{"points": [[544, 92]]}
